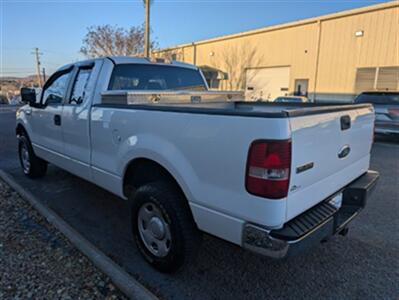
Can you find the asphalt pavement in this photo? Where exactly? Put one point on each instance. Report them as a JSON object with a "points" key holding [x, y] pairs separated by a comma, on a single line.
{"points": [[362, 265]]}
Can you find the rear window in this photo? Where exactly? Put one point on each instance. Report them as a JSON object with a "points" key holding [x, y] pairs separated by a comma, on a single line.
{"points": [[153, 77], [378, 98]]}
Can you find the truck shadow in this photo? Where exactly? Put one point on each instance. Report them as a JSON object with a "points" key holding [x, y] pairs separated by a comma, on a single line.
{"points": [[390, 139]]}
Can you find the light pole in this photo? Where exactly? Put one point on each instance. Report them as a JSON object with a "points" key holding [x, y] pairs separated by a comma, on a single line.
{"points": [[39, 78], [147, 42]]}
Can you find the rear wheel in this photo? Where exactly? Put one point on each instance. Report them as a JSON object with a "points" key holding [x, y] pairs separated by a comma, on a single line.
{"points": [[163, 227], [32, 166]]}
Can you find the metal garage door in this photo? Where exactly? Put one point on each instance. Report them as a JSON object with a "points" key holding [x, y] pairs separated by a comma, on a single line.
{"points": [[380, 78], [365, 79], [388, 79], [267, 83]]}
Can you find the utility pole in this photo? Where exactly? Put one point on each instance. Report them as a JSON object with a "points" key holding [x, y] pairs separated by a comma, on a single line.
{"points": [[147, 29], [44, 75], [39, 77]]}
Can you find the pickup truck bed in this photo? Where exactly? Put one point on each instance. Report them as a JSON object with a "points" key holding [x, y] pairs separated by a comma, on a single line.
{"points": [[222, 103]]}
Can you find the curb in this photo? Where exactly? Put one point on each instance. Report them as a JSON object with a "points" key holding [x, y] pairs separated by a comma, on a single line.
{"points": [[126, 283]]}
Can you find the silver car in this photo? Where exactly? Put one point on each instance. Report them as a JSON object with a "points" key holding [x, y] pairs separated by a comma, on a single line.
{"points": [[386, 105]]}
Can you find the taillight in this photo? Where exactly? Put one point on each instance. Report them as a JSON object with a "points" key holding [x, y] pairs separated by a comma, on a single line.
{"points": [[268, 168]]}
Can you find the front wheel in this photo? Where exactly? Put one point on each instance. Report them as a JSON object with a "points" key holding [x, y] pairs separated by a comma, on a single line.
{"points": [[32, 166], [163, 227]]}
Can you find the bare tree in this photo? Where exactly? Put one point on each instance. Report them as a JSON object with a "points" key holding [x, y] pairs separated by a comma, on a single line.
{"points": [[107, 40], [235, 62]]}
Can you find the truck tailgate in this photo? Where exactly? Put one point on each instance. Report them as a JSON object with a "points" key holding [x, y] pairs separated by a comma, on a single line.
{"points": [[329, 150]]}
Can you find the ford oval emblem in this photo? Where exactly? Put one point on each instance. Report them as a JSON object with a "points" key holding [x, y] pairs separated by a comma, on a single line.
{"points": [[344, 151]]}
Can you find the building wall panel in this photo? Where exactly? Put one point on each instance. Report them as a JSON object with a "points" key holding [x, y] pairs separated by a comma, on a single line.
{"points": [[293, 47], [341, 52], [324, 50]]}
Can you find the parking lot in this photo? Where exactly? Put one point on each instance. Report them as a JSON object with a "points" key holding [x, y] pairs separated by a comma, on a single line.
{"points": [[364, 264]]}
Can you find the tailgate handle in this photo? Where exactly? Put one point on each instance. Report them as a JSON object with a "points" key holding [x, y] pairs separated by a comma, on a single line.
{"points": [[345, 122]]}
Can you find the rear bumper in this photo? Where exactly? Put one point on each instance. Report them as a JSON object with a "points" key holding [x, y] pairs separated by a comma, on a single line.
{"points": [[314, 225]]}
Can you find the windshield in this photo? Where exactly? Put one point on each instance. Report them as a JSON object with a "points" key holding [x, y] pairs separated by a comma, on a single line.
{"points": [[378, 98], [288, 99], [155, 77]]}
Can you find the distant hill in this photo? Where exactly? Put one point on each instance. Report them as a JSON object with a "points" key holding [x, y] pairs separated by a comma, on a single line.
{"points": [[29, 77], [10, 85]]}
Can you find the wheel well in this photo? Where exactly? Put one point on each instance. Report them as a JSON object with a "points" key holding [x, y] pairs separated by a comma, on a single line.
{"points": [[141, 171], [21, 130]]}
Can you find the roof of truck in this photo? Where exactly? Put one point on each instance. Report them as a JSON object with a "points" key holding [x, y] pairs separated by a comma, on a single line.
{"points": [[143, 60], [131, 60]]}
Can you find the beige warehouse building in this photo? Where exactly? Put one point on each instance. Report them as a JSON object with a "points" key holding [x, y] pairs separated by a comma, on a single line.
{"points": [[331, 57]]}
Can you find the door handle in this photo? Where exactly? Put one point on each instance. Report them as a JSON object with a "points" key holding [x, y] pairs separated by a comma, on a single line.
{"points": [[57, 120]]}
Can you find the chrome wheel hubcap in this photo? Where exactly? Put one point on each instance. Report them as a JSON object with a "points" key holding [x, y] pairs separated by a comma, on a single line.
{"points": [[25, 158], [154, 230]]}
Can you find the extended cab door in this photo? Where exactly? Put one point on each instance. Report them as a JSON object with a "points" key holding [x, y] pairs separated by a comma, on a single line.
{"points": [[76, 118], [45, 120]]}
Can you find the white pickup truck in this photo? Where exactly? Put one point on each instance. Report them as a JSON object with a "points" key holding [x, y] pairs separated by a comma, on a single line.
{"points": [[274, 178]]}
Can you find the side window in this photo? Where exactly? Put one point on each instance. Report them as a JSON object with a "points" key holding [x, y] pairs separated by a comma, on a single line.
{"points": [[79, 86], [55, 92]]}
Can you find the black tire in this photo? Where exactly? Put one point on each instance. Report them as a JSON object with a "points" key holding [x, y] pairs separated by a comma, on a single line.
{"points": [[37, 167], [175, 211]]}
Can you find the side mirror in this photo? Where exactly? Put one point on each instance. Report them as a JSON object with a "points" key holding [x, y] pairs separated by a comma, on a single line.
{"points": [[28, 96]]}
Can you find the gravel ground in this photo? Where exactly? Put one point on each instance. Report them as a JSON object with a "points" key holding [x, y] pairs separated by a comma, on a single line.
{"points": [[36, 261]]}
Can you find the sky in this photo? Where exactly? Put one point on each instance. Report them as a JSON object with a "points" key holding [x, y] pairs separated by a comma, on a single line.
{"points": [[57, 27]]}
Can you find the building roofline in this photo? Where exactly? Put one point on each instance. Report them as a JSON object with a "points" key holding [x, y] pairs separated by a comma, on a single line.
{"points": [[346, 13]]}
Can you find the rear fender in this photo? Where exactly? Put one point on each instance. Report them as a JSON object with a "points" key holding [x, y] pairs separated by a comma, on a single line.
{"points": [[162, 152]]}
